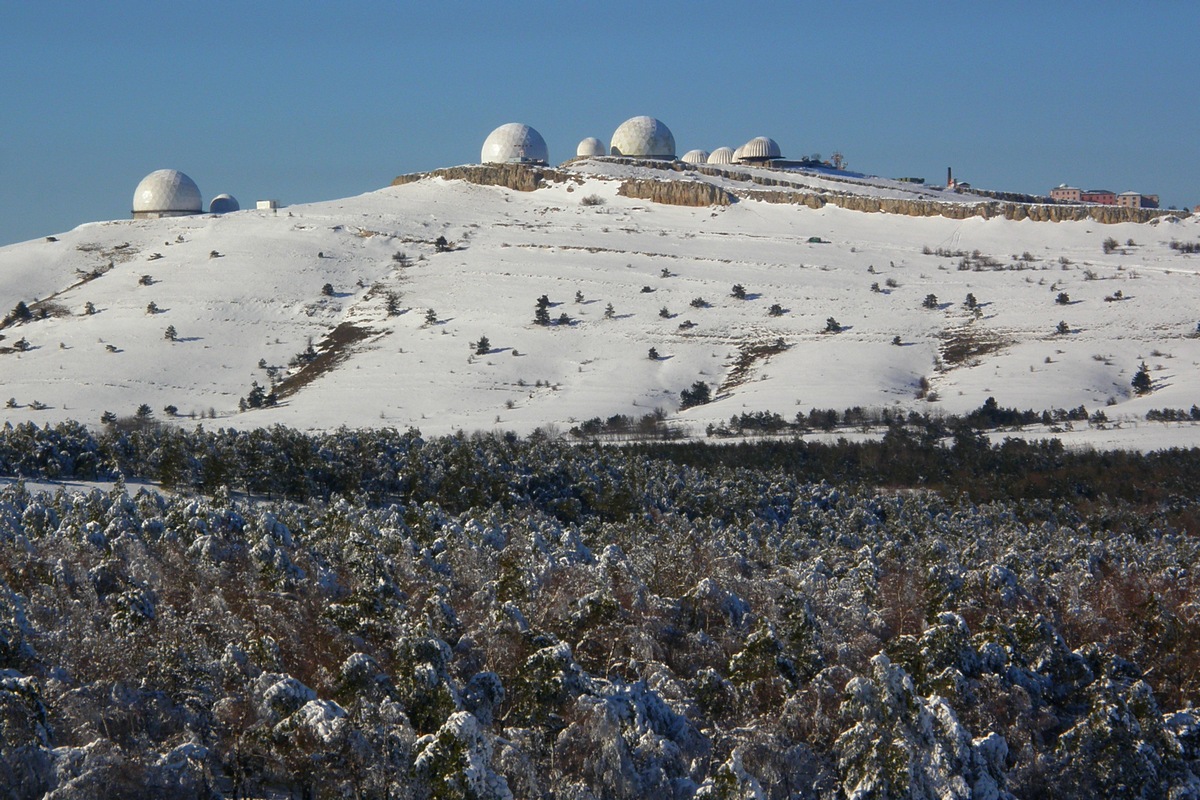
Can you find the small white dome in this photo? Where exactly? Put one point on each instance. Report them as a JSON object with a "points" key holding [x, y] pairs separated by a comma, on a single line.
{"points": [[591, 146], [737, 154], [695, 157], [643, 137], [722, 155], [223, 204], [760, 147], [167, 192], [514, 143]]}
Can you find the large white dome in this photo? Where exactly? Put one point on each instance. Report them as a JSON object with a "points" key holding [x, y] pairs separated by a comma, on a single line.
{"points": [[722, 155], [760, 148], [695, 157], [643, 137], [223, 204], [514, 143], [591, 146], [166, 193]]}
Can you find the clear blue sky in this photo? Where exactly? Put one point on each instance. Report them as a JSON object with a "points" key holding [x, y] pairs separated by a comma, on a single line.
{"points": [[306, 101]]}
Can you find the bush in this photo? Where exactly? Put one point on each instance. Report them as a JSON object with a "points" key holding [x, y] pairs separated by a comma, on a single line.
{"points": [[775, 310], [699, 302], [483, 346], [327, 290], [169, 334], [832, 326], [592, 200], [609, 312], [431, 317], [1062, 329], [738, 291], [970, 302], [1110, 244], [1063, 299], [653, 354], [930, 301]]}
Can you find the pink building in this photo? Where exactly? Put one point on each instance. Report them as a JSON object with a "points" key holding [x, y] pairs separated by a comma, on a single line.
{"points": [[1101, 197], [1064, 193]]}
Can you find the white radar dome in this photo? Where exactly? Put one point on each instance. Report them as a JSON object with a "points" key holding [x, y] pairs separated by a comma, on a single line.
{"points": [[643, 137], [514, 143], [166, 193], [223, 204], [760, 148], [591, 146], [722, 155], [695, 157]]}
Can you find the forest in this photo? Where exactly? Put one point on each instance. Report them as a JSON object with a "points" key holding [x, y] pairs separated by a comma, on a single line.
{"points": [[376, 614]]}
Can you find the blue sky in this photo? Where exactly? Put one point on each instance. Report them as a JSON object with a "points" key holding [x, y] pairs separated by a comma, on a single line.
{"points": [[306, 101]]}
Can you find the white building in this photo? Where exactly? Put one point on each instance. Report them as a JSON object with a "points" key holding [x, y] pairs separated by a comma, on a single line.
{"points": [[166, 193], [514, 143], [643, 137]]}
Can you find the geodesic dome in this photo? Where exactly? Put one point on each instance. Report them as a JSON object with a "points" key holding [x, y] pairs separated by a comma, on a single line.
{"points": [[166, 193], [514, 143], [591, 146], [695, 157], [223, 204], [760, 148], [722, 155], [643, 137]]}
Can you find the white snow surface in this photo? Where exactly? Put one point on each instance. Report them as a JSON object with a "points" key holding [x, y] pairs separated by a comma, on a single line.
{"points": [[245, 287]]}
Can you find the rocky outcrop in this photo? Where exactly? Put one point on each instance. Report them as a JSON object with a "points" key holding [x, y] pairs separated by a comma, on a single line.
{"points": [[676, 193], [518, 177], [687, 192], [1105, 215]]}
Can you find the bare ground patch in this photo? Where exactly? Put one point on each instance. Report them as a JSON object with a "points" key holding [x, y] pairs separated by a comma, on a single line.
{"points": [[964, 344], [749, 354], [332, 351]]}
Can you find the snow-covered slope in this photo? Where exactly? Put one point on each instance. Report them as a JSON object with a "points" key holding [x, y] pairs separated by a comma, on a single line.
{"points": [[245, 289]]}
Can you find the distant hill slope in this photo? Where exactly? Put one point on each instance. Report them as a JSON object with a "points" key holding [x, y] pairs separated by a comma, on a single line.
{"points": [[243, 295]]}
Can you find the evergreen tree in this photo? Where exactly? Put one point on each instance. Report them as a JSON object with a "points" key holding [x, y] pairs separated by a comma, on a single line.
{"points": [[483, 346], [1142, 384]]}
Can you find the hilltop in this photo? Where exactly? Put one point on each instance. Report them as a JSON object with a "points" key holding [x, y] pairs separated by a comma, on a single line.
{"points": [[330, 303]]}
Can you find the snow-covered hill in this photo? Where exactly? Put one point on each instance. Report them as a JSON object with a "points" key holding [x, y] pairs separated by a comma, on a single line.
{"points": [[243, 293]]}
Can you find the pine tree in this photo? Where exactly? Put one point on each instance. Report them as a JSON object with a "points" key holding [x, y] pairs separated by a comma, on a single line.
{"points": [[1142, 384], [169, 334], [483, 346], [738, 291]]}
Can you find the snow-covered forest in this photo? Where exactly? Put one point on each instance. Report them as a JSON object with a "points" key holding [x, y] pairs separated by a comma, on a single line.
{"points": [[376, 614]]}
